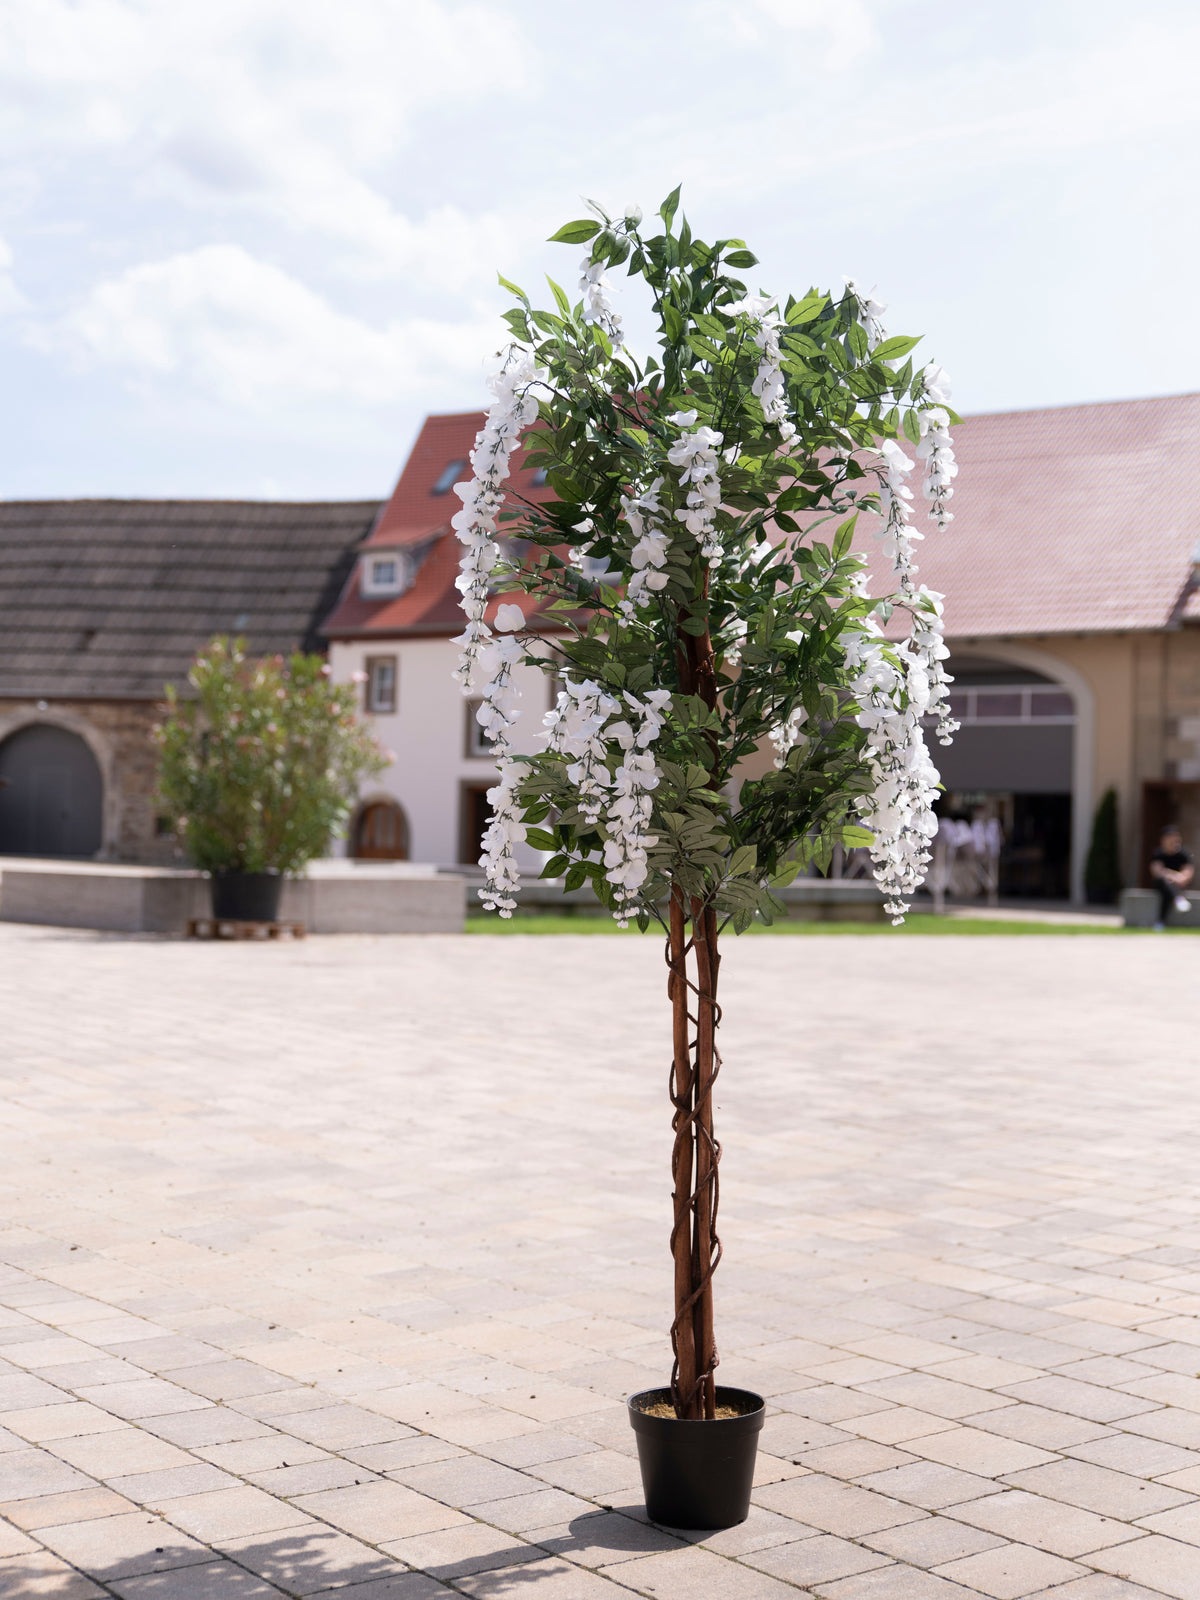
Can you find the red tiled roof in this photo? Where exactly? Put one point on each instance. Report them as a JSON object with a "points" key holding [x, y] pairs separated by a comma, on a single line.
{"points": [[416, 515], [1076, 520], [1079, 520]]}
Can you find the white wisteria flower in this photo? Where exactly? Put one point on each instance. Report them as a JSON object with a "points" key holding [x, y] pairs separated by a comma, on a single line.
{"points": [[870, 312], [651, 543], [514, 407], [696, 453], [597, 306], [768, 385]]}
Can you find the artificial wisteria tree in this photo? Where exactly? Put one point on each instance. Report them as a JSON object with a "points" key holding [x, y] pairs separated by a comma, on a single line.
{"points": [[694, 589]]}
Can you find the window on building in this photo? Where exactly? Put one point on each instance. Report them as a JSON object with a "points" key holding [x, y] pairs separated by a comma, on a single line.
{"points": [[475, 812], [477, 741], [450, 474], [384, 576], [381, 683]]}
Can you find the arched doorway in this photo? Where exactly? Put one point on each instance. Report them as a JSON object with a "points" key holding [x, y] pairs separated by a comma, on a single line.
{"points": [[381, 833], [51, 794], [1014, 759]]}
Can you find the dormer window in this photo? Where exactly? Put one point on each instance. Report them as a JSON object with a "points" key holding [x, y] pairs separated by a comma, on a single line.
{"points": [[451, 474], [384, 576]]}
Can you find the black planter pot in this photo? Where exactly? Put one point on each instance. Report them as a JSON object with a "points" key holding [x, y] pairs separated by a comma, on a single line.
{"points": [[697, 1474], [246, 896]]}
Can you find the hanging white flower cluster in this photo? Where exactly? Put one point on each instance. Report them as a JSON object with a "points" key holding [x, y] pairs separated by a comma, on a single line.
{"points": [[768, 385], [936, 448], [786, 735], [574, 727], [513, 409], [893, 696], [651, 541], [497, 715], [581, 726], [597, 307], [696, 452], [628, 816], [895, 503], [870, 314]]}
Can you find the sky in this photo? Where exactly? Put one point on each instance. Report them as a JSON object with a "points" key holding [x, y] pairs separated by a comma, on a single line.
{"points": [[246, 245]]}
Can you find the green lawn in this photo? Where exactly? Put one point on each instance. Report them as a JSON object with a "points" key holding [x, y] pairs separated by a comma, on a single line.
{"points": [[923, 922]]}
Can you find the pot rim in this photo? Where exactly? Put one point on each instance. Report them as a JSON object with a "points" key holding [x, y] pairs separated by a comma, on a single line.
{"points": [[749, 1421]]}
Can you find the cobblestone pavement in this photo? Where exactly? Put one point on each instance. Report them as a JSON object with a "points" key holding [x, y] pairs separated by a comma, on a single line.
{"points": [[327, 1267]]}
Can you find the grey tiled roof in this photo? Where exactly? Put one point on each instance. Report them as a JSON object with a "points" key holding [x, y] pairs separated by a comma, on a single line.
{"points": [[111, 598]]}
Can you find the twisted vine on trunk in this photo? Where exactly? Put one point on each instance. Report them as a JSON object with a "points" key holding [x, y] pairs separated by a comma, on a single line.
{"points": [[695, 1245]]}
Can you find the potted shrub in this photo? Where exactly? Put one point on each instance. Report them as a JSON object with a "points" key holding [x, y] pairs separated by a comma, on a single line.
{"points": [[257, 769], [718, 481]]}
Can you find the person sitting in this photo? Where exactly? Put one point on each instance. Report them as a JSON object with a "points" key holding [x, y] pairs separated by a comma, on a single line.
{"points": [[1172, 870]]}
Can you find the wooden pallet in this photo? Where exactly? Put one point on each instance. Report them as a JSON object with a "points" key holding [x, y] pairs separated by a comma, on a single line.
{"points": [[229, 928]]}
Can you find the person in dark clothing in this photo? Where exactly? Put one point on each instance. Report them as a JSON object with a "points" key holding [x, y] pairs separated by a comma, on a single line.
{"points": [[1172, 870]]}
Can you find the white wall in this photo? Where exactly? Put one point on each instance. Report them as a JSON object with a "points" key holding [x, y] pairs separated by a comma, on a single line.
{"points": [[427, 734]]}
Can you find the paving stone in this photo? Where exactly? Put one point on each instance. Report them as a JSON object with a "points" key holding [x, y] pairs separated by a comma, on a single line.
{"points": [[1163, 1565], [215, 1580], [602, 1538], [1112, 1494], [305, 1560], [897, 1582], [77, 1505], [835, 1507], [117, 1547], [1010, 1571], [381, 1510], [26, 1474], [817, 1560], [457, 1552], [683, 1574], [1030, 1519], [26, 1577]]}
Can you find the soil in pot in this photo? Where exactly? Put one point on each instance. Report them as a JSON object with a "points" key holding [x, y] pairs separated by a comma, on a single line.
{"points": [[246, 896], [697, 1474]]}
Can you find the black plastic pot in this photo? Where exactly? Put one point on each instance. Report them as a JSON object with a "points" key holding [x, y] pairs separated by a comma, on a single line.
{"points": [[697, 1474], [246, 896]]}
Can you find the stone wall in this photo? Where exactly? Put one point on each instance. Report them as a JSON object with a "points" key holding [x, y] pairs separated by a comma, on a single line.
{"points": [[118, 733]]}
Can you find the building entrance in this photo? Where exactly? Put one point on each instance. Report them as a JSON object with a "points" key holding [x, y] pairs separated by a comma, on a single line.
{"points": [[1012, 760], [51, 794]]}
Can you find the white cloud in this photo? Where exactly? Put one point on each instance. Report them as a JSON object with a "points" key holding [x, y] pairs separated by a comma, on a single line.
{"points": [[845, 27], [288, 110], [222, 323], [11, 298]]}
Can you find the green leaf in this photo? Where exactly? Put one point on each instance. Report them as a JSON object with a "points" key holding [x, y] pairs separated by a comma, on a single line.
{"points": [[554, 868], [669, 207], [743, 860], [856, 838], [512, 288], [540, 839], [673, 322], [912, 428], [741, 258], [843, 538], [575, 232], [564, 305], [576, 878], [785, 875], [893, 349]]}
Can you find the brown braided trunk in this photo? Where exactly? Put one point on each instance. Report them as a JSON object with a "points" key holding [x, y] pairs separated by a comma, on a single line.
{"points": [[695, 1247]]}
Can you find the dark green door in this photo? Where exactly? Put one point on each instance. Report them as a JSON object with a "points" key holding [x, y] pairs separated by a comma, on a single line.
{"points": [[51, 794]]}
